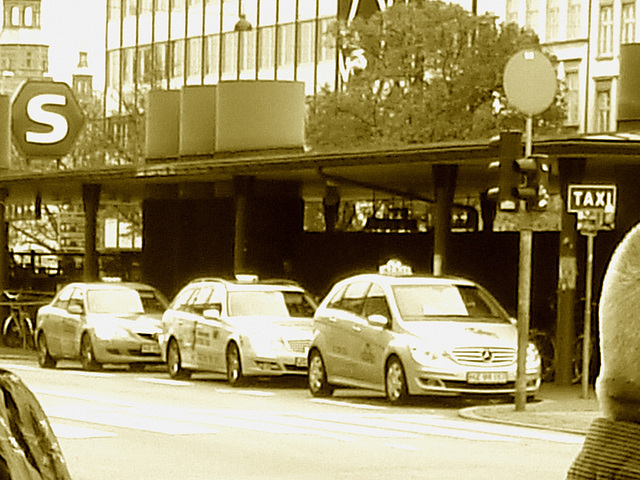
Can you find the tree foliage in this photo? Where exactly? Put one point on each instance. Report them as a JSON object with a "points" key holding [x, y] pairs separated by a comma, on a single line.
{"points": [[433, 73]]}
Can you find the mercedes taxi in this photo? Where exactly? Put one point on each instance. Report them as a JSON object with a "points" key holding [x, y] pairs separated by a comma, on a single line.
{"points": [[242, 327], [404, 334]]}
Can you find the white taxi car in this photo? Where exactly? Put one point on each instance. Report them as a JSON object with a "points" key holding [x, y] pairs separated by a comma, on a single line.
{"points": [[239, 328], [415, 335]]}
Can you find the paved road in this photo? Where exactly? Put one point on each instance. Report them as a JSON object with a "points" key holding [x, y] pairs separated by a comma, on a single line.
{"points": [[118, 424]]}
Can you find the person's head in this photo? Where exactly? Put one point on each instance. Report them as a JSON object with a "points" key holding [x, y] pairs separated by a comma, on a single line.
{"points": [[618, 384]]}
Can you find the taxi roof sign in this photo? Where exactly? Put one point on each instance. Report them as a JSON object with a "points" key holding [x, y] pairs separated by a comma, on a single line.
{"points": [[395, 268]]}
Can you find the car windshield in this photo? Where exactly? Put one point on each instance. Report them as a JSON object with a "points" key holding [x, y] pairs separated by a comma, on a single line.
{"points": [[447, 302], [121, 300], [256, 302]]}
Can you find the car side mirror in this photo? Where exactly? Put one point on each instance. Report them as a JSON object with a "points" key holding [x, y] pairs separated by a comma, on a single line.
{"points": [[378, 321], [212, 313], [75, 309]]}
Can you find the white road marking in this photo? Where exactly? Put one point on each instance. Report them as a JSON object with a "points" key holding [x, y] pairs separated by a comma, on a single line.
{"points": [[348, 404], [80, 373], [400, 446], [68, 431], [164, 381], [254, 393]]}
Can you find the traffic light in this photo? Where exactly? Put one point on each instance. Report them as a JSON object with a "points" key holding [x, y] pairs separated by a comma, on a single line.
{"points": [[520, 178], [538, 180], [510, 177]]}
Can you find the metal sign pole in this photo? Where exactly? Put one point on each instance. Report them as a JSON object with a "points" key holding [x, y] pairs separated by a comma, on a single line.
{"points": [[586, 333], [524, 293]]}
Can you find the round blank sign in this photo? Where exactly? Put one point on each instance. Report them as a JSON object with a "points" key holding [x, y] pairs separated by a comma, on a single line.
{"points": [[530, 82]]}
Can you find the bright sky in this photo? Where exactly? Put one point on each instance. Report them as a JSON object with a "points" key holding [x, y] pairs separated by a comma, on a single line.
{"points": [[71, 26]]}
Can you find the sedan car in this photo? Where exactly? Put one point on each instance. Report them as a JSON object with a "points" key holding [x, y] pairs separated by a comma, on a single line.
{"points": [[240, 328], [404, 334], [101, 322]]}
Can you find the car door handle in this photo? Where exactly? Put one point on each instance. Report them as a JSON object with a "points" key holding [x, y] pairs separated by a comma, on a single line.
{"points": [[333, 319], [356, 328]]}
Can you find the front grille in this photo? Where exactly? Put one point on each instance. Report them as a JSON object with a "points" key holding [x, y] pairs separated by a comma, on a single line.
{"points": [[484, 355], [299, 346]]}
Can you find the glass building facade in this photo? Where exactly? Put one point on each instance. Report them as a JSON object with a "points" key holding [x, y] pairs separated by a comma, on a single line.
{"points": [[166, 44]]}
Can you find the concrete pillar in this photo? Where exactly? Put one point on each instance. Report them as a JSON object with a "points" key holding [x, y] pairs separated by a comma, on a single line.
{"points": [[4, 243], [571, 171], [243, 188], [91, 201], [444, 180]]}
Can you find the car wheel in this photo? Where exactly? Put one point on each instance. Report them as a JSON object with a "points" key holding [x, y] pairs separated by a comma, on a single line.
{"points": [[174, 361], [318, 376], [45, 360], [87, 356], [234, 366], [395, 382]]}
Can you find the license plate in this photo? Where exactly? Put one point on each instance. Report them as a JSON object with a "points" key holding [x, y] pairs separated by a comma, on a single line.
{"points": [[150, 348], [487, 377], [301, 362]]}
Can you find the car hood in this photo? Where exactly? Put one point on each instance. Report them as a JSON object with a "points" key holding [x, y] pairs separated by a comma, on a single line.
{"points": [[134, 322], [284, 327], [464, 334]]}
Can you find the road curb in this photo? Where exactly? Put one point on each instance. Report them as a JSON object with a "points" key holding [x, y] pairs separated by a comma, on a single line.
{"points": [[472, 413]]}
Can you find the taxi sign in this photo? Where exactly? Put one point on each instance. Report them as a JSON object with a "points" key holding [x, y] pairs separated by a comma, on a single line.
{"points": [[395, 268], [592, 197]]}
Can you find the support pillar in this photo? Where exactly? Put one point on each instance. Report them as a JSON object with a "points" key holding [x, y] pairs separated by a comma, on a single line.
{"points": [[91, 201], [444, 180], [4, 243], [571, 171], [243, 188]]}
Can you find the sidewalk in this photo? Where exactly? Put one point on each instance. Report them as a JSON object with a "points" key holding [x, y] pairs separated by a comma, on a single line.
{"points": [[555, 408]]}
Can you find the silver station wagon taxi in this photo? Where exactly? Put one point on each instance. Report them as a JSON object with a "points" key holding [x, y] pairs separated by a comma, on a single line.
{"points": [[240, 328], [415, 335]]}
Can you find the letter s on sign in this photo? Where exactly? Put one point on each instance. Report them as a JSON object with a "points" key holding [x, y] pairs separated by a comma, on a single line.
{"points": [[57, 122]]}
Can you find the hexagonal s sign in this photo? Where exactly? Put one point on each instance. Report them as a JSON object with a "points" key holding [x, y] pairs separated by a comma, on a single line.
{"points": [[45, 119]]}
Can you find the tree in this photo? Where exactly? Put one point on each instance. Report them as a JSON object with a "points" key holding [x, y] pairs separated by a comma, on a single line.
{"points": [[433, 73]]}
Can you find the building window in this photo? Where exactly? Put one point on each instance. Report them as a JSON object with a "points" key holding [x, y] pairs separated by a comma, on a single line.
{"points": [[160, 54], [28, 60], [605, 30], [15, 16], [306, 41], [572, 96], [267, 37], [286, 44], [553, 20], [628, 30], [28, 17], [603, 106], [573, 19], [211, 52], [326, 42], [532, 14], [511, 11], [229, 50], [194, 56], [177, 58]]}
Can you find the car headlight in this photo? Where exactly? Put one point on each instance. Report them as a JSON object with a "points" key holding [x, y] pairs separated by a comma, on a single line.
{"points": [[424, 354], [108, 331], [267, 346], [533, 356]]}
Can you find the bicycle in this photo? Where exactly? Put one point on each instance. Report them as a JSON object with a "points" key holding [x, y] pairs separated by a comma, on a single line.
{"points": [[18, 328]]}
